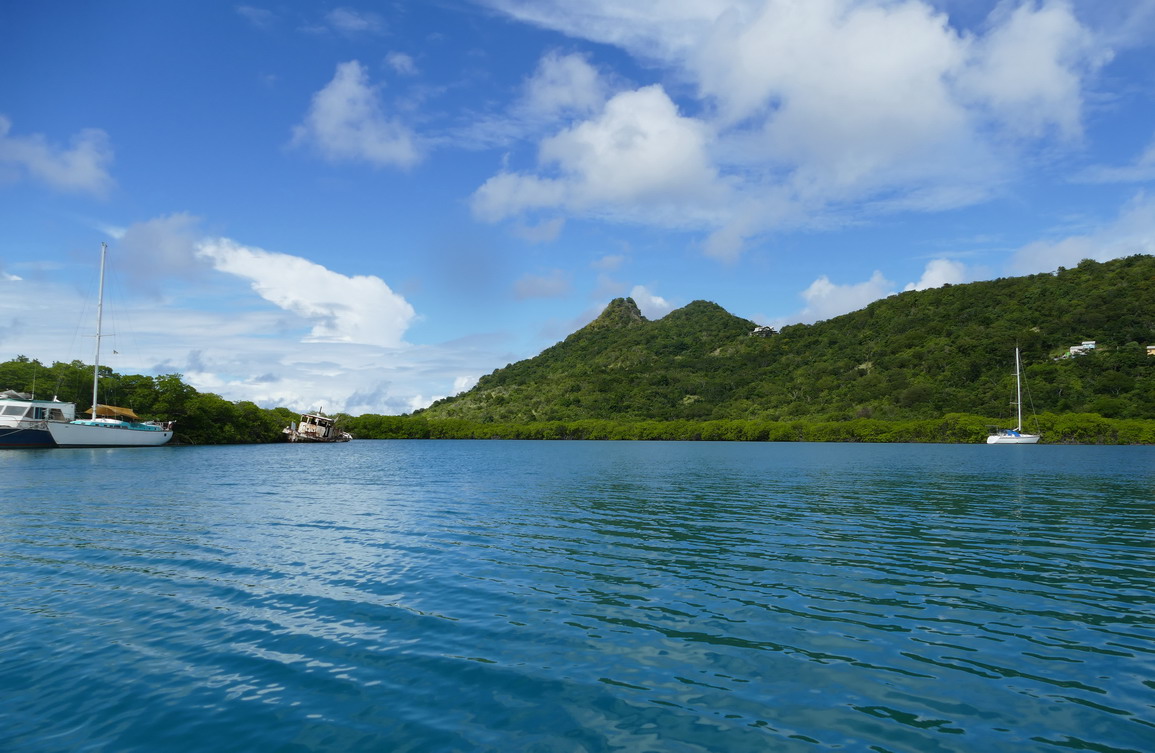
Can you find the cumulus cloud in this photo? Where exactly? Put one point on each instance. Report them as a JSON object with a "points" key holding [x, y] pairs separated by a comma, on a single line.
{"points": [[552, 285], [82, 167], [463, 383], [941, 272], [1030, 68], [825, 300], [563, 84], [360, 309], [561, 88], [808, 114], [346, 122], [651, 305], [1132, 232], [639, 152]]}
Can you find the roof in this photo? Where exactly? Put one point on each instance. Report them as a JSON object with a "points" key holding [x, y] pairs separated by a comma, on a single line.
{"points": [[112, 410]]}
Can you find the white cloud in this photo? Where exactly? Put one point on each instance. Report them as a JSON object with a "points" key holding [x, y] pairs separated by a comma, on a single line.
{"points": [[553, 285], [350, 21], [652, 306], [463, 383], [1132, 232], [361, 309], [1031, 66], [560, 89], [228, 341], [80, 168], [609, 262], [639, 152], [1139, 171], [807, 113], [346, 122], [507, 194], [258, 17], [401, 63], [825, 299], [563, 84], [941, 272]]}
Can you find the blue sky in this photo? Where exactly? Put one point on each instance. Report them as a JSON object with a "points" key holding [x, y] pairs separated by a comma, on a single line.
{"points": [[367, 206]]}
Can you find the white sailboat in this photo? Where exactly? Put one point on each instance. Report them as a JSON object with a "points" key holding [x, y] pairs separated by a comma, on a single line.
{"points": [[1015, 435], [109, 425]]}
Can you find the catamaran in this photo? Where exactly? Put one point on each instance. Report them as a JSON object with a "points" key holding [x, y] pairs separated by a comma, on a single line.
{"points": [[1015, 435], [109, 425]]}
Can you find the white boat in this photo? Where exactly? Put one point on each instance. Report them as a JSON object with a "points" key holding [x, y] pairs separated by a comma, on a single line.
{"points": [[24, 419], [109, 425], [1015, 435], [315, 427]]}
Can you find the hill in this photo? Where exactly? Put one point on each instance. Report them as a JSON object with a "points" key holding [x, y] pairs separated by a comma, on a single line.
{"points": [[918, 354]]}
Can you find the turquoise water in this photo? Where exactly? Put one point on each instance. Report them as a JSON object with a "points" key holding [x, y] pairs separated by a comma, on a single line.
{"points": [[558, 596]]}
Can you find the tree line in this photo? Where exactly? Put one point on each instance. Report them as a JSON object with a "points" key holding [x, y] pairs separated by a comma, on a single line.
{"points": [[201, 418], [206, 418]]}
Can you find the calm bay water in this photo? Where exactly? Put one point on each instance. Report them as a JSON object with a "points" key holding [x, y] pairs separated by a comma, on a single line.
{"points": [[558, 596]]}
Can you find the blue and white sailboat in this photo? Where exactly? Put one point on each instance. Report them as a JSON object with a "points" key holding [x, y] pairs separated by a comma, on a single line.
{"points": [[1015, 435]]}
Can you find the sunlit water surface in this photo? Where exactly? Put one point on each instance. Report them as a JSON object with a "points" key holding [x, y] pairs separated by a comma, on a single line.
{"points": [[559, 596]]}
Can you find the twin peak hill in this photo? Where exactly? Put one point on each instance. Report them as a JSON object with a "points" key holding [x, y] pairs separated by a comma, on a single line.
{"points": [[918, 354]]}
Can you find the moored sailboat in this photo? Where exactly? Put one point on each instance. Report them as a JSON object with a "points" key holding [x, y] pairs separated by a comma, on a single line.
{"points": [[109, 425], [1015, 435]]}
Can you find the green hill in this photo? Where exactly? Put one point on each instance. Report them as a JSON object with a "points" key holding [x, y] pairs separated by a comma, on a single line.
{"points": [[918, 354]]}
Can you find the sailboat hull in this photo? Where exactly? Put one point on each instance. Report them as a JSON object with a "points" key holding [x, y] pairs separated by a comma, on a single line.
{"points": [[1013, 439], [11, 437], [110, 434]]}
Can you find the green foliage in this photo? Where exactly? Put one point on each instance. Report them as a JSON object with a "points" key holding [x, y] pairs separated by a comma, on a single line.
{"points": [[953, 428], [201, 418], [920, 366], [917, 355]]}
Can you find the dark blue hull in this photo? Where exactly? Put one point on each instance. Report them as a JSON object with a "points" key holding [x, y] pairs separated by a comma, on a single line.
{"points": [[12, 438]]}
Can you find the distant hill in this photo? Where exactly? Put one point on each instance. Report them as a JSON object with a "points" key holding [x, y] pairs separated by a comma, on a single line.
{"points": [[918, 354]]}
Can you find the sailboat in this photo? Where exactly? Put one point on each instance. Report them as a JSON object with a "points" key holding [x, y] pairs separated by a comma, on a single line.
{"points": [[109, 425], [1015, 435]]}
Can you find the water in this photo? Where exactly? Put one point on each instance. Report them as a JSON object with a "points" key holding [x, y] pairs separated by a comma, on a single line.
{"points": [[538, 596]]}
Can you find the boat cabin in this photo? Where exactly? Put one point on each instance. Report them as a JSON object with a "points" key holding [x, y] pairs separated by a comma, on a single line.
{"points": [[20, 407], [315, 427]]}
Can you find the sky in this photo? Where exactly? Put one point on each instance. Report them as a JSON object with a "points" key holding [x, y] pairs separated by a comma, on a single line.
{"points": [[366, 206]]}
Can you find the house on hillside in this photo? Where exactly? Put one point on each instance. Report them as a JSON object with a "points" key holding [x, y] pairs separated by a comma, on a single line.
{"points": [[1081, 350], [763, 331]]}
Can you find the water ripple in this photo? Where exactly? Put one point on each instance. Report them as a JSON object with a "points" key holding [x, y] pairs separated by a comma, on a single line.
{"points": [[505, 596]]}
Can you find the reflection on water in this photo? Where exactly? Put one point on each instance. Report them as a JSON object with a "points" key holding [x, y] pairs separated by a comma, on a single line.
{"points": [[507, 596]]}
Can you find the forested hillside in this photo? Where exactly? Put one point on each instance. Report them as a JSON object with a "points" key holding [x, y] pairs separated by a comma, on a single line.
{"points": [[915, 355]]}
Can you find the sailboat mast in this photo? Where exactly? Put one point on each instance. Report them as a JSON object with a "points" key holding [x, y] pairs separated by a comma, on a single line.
{"points": [[99, 317], [1018, 392]]}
